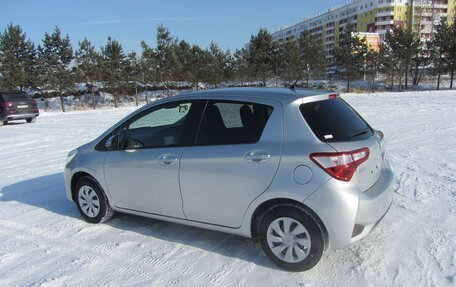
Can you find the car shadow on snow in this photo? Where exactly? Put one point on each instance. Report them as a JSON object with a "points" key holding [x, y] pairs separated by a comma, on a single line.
{"points": [[48, 192]]}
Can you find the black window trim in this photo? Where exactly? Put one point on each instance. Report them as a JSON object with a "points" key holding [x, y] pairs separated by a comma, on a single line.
{"points": [[224, 100], [193, 113]]}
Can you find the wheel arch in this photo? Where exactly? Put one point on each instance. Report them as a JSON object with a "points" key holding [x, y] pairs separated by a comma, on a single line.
{"points": [[76, 177], [266, 205]]}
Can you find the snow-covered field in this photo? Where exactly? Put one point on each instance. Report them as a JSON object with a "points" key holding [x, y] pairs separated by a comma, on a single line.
{"points": [[44, 241]]}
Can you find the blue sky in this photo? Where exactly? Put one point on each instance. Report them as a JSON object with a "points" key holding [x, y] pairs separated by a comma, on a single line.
{"points": [[228, 23]]}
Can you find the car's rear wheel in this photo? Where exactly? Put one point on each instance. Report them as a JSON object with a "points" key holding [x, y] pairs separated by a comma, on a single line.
{"points": [[291, 237], [31, 120], [91, 201]]}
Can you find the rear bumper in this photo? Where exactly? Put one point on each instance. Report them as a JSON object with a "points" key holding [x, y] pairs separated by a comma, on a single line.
{"points": [[20, 116], [341, 207]]}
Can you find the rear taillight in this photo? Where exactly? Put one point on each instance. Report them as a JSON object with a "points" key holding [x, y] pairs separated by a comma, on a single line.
{"points": [[8, 107], [34, 106], [332, 96], [341, 165]]}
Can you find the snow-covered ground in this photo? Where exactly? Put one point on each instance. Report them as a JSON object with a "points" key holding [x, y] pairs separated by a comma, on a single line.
{"points": [[44, 241]]}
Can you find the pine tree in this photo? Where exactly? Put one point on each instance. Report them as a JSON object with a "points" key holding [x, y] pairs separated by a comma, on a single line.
{"points": [[55, 56], [373, 65], [387, 62], [112, 66], [88, 66], [17, 59], [199, 65], [404, 46], [312, 56], [439, 47], [350, 54], [183, 53], [261, 52], [277, 64], [166, 59], [241, 65], [291, 62], [219, 65], [132, 72], [451, 53]]}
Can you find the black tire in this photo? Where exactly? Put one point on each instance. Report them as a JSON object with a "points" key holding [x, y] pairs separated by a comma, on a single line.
{"points": [[105, 211], [305, 218], [31, 120]]}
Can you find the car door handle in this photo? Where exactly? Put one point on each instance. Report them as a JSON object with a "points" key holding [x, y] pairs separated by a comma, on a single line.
{"points": [[167, 159], [257, 156]]}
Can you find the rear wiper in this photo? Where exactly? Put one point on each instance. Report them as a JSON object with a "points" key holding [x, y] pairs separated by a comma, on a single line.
{"points": [[359, 132]]}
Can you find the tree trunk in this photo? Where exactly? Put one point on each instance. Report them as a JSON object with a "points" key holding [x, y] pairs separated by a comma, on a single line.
{"points": [[348, 83], [373, 84], [392, 80], [307, 80], [62, 104], [94, 99], [136, 94], [116, 105], [438, 79], [406, 77], [147, 97], [452, 77]]}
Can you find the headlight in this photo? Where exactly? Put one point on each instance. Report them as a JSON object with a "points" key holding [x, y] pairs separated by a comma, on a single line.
{"points": [[71, 155]]}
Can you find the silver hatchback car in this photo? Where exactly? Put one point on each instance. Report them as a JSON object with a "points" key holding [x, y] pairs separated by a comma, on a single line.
{"points": [[300, 170]]}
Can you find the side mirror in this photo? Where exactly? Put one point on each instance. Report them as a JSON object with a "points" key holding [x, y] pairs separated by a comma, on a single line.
{"points": [[112, 143]]}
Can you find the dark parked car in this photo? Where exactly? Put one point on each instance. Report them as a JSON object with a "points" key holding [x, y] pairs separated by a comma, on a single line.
{"points": [[17, 105]]}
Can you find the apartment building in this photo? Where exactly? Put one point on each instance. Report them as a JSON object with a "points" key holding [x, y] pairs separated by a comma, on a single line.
{"points": [[371, 16]]}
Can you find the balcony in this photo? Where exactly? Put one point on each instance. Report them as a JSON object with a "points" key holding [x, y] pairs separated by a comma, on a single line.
{"points": [[384, 22], [385, 14], [383, 5]]}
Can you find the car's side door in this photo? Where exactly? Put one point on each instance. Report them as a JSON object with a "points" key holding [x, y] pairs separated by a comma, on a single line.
{"points": [[142, 174], [234, 160]]}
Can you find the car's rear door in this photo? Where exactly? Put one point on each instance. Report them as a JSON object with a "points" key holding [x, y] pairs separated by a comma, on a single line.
{"points": [[336, 123], [234, 160]]}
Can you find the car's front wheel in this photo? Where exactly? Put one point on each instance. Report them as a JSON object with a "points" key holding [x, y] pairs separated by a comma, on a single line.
{"points": [[91, 201], [291, 237]]}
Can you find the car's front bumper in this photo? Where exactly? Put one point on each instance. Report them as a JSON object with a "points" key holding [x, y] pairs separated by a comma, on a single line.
{"points": [[348, 213]]}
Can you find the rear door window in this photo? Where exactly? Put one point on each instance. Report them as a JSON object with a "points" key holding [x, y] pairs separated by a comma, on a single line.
{"points": [[333, 120], [229, 122]]}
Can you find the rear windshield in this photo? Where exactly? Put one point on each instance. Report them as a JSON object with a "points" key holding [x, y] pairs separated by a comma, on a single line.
{"points": [[333, 120], [14, 97]]}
